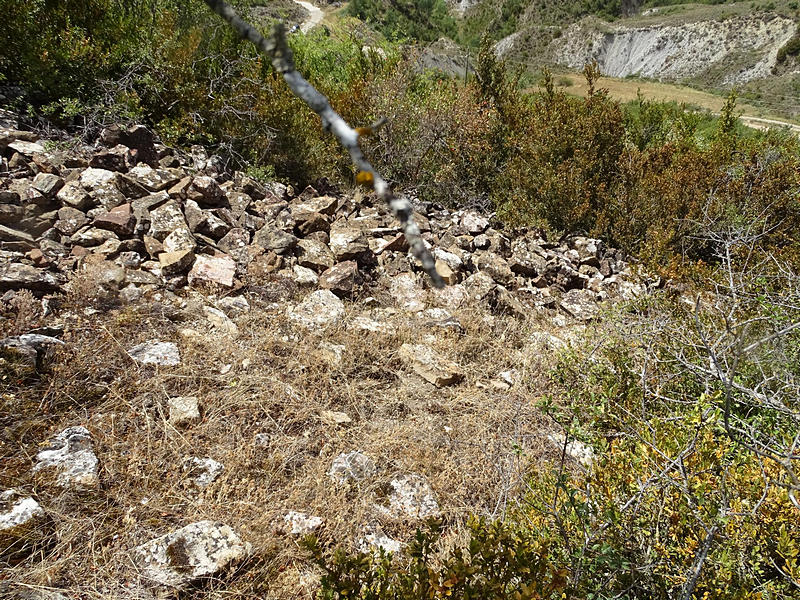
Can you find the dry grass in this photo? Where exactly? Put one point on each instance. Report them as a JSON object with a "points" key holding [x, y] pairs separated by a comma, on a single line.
{"points": [[473, 441], [627, 90]]}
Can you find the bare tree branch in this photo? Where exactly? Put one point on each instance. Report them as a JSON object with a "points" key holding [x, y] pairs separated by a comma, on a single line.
{"points": [[279, 52]]}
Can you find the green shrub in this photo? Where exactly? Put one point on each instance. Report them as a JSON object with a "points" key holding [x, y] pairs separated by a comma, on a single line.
{"points": [[499, 561]]}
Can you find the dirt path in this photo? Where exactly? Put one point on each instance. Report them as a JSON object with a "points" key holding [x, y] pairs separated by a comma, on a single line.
{"points": [[626, 90], [315, 15], [759, 123]]}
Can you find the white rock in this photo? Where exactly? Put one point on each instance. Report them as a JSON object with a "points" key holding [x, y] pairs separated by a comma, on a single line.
{"points": [[92, 178], [198, 550], [184, 410], [332, 417], [300, 523], [216, 269], [320, 309], [203, 471], [17, 511], [577, 450], [407, 292], [332, 353], [26, 148], [353, 466], [71, 455], [452, 261], [366, 324], [474, 223], [412, 497], [304, 276], [156, 352], [375, 539]]}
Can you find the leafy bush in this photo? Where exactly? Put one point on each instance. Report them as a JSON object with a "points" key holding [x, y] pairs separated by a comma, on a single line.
{"points": [[499, 561]]}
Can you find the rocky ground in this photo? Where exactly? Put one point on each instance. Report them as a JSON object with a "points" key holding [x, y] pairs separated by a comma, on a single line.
{"points": [[198, 368]]}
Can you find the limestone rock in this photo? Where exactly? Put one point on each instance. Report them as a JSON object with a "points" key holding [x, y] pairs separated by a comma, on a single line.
{"points": [[120, 220], [479, 285], [342, 279], [270, 237], [235, 243], [320, 309], [20, 239], [48, 184], [366, 324], [220, 322], [407, 292], [15, 276], [175, 263], [92, 236], [304, 276], [412, 497], [495, 266], [580, 304], [29, 349], [352, 466], [314, 254], [202, 471], [446, 273], [375, 538], [70, 220], [234, 306], [165, 219], [474, 223], [527, 258], [429, 365], [156, 352], [216, 269], [206, 192], [26, 148], [22, 521], [577, 450], [299, 523], [152, 179], [335, 418], [184, 410], [325, 205], [198, 550], [347, 243], [70, 454]]}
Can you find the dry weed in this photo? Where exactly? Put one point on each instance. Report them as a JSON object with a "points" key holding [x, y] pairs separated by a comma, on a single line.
{"points": [[473, 441]]}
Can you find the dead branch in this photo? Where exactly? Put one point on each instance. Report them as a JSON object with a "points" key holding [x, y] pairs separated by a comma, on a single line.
{"points": [[279, 52]]}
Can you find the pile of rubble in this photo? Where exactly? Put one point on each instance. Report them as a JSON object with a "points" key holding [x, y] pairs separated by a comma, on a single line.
{"points": [[143, 220], [141, 217]]}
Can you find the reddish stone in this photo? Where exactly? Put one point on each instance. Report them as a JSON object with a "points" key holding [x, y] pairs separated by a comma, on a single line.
{"points": [[120, 220]]}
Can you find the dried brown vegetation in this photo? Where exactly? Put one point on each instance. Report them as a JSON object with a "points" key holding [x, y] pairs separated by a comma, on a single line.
{"points": [[473, 442]]}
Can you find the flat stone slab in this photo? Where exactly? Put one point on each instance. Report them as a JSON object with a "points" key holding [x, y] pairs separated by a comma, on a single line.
{"points": [[412, 497], [156, 352], [216, 269], [184, 410], [299, 523], [429, 365], [352, 466], [320, 309], [198, 550]]}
